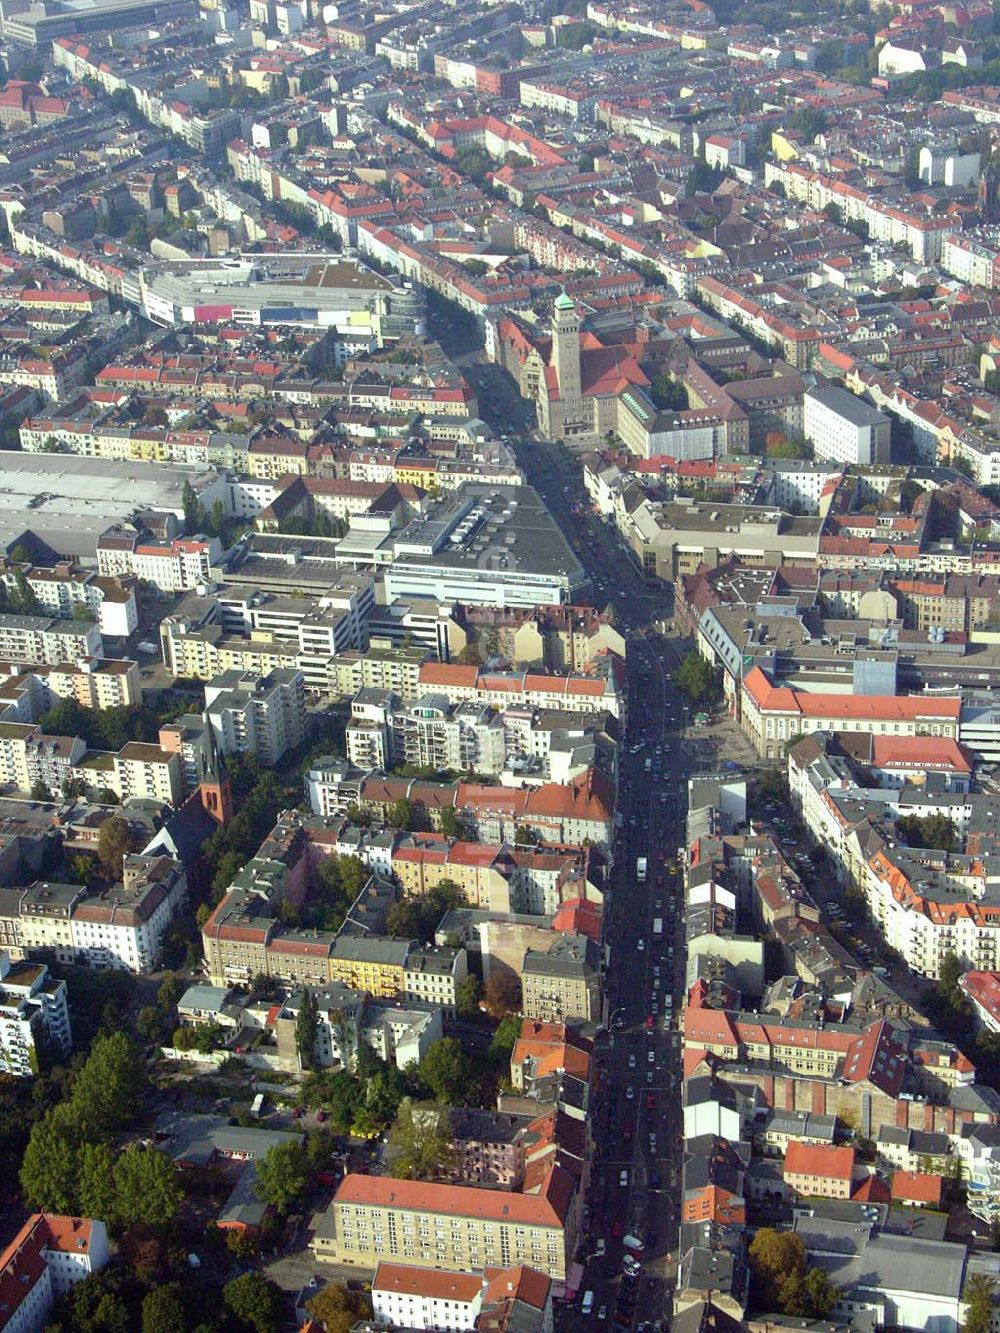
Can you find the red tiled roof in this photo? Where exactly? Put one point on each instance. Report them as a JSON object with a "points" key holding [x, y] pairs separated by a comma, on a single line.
{"points": [[440, 1286], [817, 1159], [546, 1209], [783, 699], [937, 752], [916, 1187]]}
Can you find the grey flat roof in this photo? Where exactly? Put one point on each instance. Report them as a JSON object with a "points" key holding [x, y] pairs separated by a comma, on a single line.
{"points": [[516, 533], [898, 1263], [847, 405]]}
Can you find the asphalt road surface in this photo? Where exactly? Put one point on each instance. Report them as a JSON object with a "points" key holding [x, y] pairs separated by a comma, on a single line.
{"points": [[637, 1116]]}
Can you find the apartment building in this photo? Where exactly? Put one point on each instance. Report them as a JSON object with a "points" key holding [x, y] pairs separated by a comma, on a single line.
{"points": [[375, 1219], [374, 965], [170, 566], [40, 918], [28, 756], [126, 927], [578, 813], [404, 1296], [205, 648], [505, 1299], [34, 1017], [676, 538], [260, 715], [818, 1170], [926, 903], [47, 1257], [92, 682], [147, 772], [396, 669], [770, 716], [844, 428], [383, 732], [563, 981], [434, 975], [497, 878], [62, 588], [522, 689], [41, 639]]}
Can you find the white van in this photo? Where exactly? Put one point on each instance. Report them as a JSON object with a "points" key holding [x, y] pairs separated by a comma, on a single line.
{"points": [[587, 1304]]}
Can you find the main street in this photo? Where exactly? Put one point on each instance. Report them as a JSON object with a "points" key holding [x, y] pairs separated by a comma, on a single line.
{"points": [[638, 1119]]}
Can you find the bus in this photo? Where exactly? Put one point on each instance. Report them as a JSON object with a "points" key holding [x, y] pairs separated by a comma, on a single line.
{"points": [[640, 869]]}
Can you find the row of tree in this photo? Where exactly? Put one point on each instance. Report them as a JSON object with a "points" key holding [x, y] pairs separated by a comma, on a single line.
{"points": [[69, 1164]]}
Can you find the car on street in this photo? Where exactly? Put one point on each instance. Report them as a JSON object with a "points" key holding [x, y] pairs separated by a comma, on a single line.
{"points": [[623, 1178]]}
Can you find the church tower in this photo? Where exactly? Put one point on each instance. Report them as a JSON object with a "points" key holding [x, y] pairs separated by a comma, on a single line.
{"points": [[566, 348], [215, 789]]}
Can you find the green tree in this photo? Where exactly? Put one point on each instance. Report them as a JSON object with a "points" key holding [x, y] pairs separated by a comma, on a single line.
{"points": [[338, 1309], [404, 919], [420, 1142], [97, 1304], [306, 1027], [115, 841], [949, 972], [467, 994], [255, 1301], [505, 1037], [343, 1099], [575, 36], [399, 815], [667, 394], [242, 1245], [445, 1070], [821, 1294], [146, 1187], [194, 514], [163, 1310], [978, 1298], [95, 1182], [448, 822], [107, 1092], [150, 1023], [169, 991], [808, 121], [697, 679], [933, 831], [40, 792], [51, 1161], [282, 1176], [217, 522]]}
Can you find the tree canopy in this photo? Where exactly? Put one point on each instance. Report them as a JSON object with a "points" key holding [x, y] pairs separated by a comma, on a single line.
{"points": [[936, 831], [419, 918], [338, 1309], [978, 1297], [697, 679], [782, 1279], [255, 1301], [420, 1142], [282, 1176], [445, 1070], [114, 842]]}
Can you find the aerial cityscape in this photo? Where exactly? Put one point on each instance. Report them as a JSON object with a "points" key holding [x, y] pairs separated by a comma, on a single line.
{"points": [[499, 666]]}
